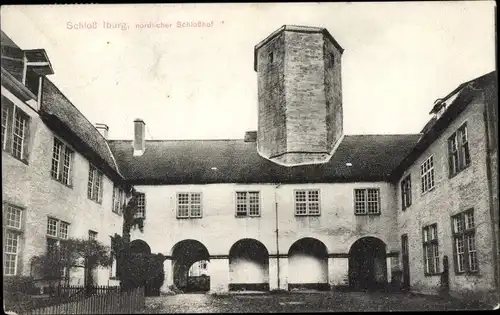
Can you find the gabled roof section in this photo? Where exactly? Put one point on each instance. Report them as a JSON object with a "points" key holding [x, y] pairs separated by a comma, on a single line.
{"points": [[60, 114], [463, 95], [373, 158]]}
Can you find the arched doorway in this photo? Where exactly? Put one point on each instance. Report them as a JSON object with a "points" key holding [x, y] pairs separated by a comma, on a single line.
{"points": [[248, 266], [140, 247], [184, 255], [367, 264], [308, 265], [145, 268]]}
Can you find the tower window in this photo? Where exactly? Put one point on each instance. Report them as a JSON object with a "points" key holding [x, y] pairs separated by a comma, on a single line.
{"points": [[331, 60], [270, 57]]}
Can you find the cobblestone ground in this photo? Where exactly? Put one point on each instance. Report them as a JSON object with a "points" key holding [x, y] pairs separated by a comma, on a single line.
{"points": [[300, 302]]}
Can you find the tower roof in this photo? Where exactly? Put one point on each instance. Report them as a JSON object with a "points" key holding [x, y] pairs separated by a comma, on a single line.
{"points": [[295, 28]]}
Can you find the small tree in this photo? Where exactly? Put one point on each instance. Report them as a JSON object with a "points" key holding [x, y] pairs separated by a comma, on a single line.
{"points": [[121, 244], [73, 253]]}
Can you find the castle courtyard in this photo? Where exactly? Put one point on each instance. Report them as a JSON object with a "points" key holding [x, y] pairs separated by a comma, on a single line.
{"points": [[301, 302]]}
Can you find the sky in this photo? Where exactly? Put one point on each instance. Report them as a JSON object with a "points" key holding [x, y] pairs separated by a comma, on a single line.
{"points": [[199, 83]]}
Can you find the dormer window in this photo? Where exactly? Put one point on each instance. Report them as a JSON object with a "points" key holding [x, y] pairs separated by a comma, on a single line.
{"points": [[36, 65]]}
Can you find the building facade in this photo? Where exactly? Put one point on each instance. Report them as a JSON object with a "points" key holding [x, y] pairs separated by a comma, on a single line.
{"points": [[58, 174], [299, 204]]}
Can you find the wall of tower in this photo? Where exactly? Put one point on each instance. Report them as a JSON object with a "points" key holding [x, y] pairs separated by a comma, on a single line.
{"points": [[271, 91], [333, 92]]}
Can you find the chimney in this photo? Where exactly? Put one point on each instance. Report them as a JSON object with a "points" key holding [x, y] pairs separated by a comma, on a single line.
{"points": [[139, 137], [251, 136], [103, 129]]}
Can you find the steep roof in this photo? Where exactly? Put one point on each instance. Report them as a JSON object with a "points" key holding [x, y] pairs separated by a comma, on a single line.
{"points": [[436, 126], [373, 158], [58, 112]]}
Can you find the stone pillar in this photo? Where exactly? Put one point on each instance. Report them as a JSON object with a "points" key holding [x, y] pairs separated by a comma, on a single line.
{"points": [[219, 275], [283, 273], [273, 273], [389, 270], [167, 269], [338, 271]]}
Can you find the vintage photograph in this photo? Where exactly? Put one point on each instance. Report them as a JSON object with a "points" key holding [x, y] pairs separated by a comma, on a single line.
{"points": [[249, 157]]}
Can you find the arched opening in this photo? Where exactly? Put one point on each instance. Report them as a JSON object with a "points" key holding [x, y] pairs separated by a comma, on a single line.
{"points": [[186, 256], [367, 264], [308, 265], [248, 266], [139, 247]]}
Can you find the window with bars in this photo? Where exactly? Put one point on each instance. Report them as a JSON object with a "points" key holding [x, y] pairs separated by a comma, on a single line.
{"points": [[247, 204], [464, 242], [94, 190], [141, 206], [366, 201], [431, 249], [57, 234], [15, 130], [62, 159], [406, 192], [118, 200], [12, 223], [427, 174], [307, 202], [189, 205], [458, 151]]}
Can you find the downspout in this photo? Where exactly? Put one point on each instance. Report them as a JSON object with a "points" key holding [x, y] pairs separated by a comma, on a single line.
{"points": [[277, 235]]}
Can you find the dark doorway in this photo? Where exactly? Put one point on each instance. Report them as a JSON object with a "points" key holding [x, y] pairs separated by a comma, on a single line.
{"points": [[405, 261], [367, 264], [184, 255]]}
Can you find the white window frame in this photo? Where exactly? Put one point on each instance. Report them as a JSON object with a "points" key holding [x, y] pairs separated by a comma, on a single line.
{"points": [[12, 230], [365, 202], [141, 205], [189, 205], [431, 245], [118, 200], [58, 237], [247, 203], [307, 202], [427, 175], [92, 235], [95, 180], [59, 161], [465, 256], [10, 134]]}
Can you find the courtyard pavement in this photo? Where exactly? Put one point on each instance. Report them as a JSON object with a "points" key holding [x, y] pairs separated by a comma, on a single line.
{"points": [[300, 302]]}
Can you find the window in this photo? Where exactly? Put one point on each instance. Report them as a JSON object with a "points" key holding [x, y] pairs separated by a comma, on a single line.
{"points": [[366, 201], [32, 80], [12, 222], [15, 130], [406, 192], [118, 200], [62, 157], [458, 150], [94, 190], [331, 60], [427, 174], [189, 205], [270, 57], [307, 202], [92, 235], [141, 206], [464, 242], [247, 204], [431, 250], [57, 234]]}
